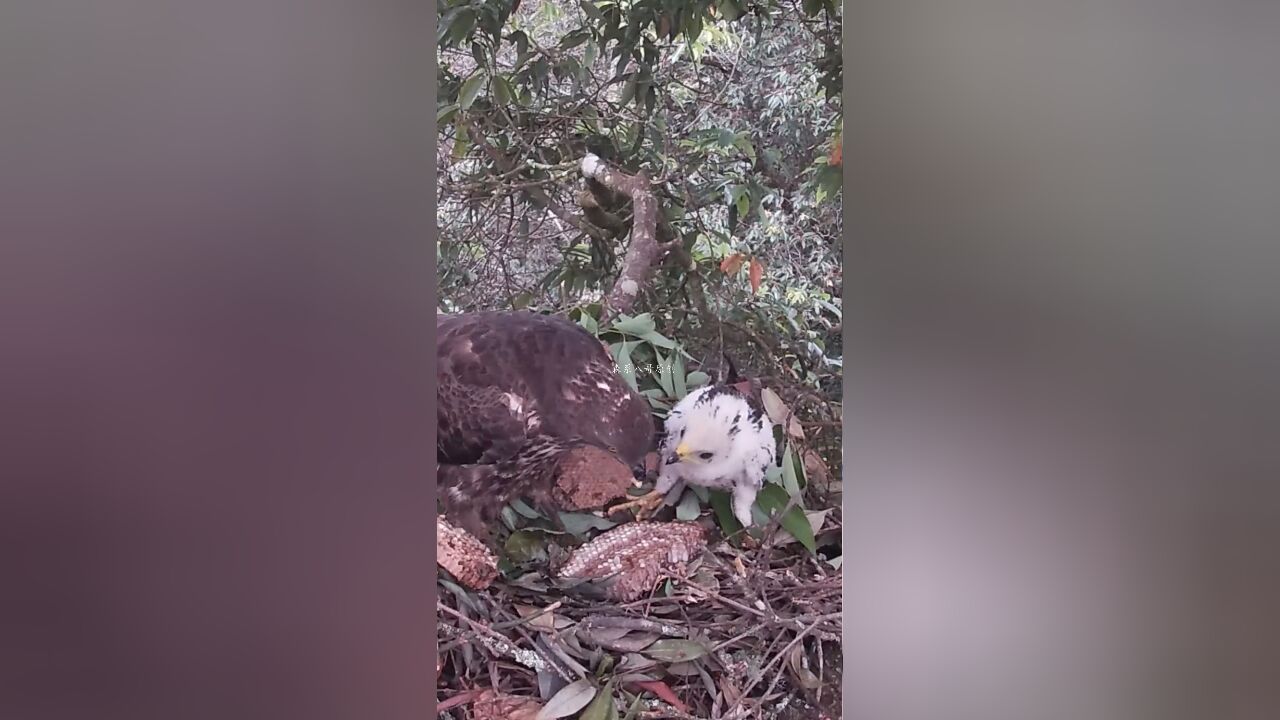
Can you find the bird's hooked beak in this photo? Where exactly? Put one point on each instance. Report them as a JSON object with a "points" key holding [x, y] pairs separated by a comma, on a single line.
{"points": [[683, 452]]}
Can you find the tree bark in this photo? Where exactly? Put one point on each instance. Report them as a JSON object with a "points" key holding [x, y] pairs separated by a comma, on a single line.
{"points": [[644, 251]]}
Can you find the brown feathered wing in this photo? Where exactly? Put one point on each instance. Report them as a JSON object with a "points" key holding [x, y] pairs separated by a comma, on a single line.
{"points": [[507, 379]]}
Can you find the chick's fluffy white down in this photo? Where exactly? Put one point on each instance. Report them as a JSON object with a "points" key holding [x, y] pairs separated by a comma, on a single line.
{"points": [[716, 438]]}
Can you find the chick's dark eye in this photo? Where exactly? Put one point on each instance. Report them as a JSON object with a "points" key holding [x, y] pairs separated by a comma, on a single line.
{"points": [[705, 455]]}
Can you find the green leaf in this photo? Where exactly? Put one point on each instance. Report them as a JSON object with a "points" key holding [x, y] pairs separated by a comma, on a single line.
{"points": [[657, 339], [664, 376], [571, 698], [578, 524], [790, 482], [633, 710], [675, 650], [589, 322], [602, 708], [693, 28], [773, 474], [574, 39], [446, 113], [524, 546], [637, 326], [730, 10], [574, 70], [677, 376], [521, 40], [629, 90], [461, 143], [593, 12], [829, 180], [523, 508], [502, 90], [743, 202], [723, 507], [697, 378], [797, 467], [772, 499], [626, 368], [689, 507], [521, 301], [454, 29], [470, 89]]}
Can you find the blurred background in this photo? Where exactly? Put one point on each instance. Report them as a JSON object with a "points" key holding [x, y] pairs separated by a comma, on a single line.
{"points": [[1061, 461]]}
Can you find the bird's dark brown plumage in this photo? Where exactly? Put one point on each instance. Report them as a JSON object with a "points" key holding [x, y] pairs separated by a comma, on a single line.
{"points": [[517, 390]]}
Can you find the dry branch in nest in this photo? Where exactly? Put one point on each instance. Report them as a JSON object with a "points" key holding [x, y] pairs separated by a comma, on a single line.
{"points": [[756, 639], [589, 478], [629, 560], [465, 557]]}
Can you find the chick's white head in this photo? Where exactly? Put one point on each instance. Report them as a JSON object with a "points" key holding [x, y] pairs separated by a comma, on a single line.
{"points": [[715, 437]]}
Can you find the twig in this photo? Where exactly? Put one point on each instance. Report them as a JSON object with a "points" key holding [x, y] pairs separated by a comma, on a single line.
{"points": [[776, 659], [731, 603]]}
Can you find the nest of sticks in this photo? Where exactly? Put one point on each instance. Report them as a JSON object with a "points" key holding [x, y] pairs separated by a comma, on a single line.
{"points": [[726, 633]]}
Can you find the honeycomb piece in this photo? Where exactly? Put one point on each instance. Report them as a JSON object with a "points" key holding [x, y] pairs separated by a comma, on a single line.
{"points": [[465, 557], [631, 558], [490, 705], [589, 478]]}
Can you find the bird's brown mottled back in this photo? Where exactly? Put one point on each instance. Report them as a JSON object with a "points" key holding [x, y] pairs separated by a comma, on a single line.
{"points": [[506, 378]]}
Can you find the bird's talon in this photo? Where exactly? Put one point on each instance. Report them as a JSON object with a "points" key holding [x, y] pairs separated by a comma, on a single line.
{"points": [[642, 506]]}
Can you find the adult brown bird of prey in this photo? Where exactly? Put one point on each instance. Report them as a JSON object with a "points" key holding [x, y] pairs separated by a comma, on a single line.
{"points": [[518, 392]]}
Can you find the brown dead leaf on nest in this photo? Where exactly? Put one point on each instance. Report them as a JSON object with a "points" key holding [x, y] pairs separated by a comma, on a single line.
{"points": [[590, 478], [631, 558], [781, 414], [815, 470], [465, 557], [490, 705]]}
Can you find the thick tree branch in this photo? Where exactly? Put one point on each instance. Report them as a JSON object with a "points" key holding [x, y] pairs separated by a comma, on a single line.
{"points": [[644, 251]]}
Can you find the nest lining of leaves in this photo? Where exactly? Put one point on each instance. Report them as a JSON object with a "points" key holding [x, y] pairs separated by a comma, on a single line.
{"points": [[740, 633]]}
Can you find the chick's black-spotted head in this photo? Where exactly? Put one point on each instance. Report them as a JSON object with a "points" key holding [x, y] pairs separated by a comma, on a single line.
{"points": [[712, 427]]}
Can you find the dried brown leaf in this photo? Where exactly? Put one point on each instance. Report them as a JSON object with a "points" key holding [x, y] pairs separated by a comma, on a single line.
{"points": [[537, 619], [732, 263], [490, 705], [665, 693], [796, 664]]}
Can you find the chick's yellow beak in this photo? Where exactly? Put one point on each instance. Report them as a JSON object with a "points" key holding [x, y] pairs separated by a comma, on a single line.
{"points": [[682, 451]]}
